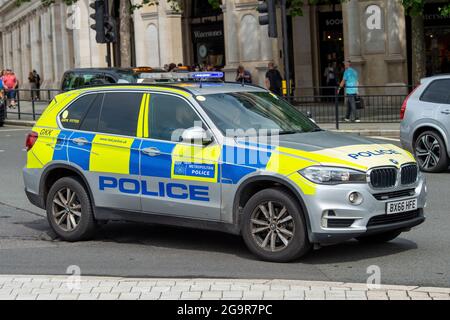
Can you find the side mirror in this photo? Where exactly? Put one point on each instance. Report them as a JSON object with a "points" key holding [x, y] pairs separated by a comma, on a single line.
{"points": [[196, 135], [309, 115]]}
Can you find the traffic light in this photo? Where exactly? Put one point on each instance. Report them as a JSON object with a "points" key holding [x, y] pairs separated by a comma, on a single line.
{"points": [[110, 29], [270, 18], [99, 19]]}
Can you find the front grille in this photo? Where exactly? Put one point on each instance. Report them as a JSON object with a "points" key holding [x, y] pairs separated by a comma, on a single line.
{"points": [[393, 218], [409, 174], [383, 177], [394, 194], [339, 223]]}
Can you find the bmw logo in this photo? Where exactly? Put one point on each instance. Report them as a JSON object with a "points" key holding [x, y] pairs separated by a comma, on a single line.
{"points": [[393, 161]]}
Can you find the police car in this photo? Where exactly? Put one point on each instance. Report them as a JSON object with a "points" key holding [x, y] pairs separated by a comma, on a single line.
{"points": [[219, 156]]}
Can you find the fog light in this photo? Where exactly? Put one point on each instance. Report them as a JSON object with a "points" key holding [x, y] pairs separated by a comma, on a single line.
{"points": [[355, 198]]}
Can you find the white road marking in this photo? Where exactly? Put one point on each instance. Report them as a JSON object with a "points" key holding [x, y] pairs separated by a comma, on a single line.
{"points": [[385, 138], [2, 150]]}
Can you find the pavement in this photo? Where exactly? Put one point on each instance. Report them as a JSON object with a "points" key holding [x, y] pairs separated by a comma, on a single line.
{"points": [[419, 258], [74, 287]]}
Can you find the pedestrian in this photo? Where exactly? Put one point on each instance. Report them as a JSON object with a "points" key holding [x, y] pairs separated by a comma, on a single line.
{"points": [[330, 80], [273, 79], [38, 84], [33, 85], [243, 75], [350, 81], [330, 75], [172, 66], [10, 84], [1, 87]]}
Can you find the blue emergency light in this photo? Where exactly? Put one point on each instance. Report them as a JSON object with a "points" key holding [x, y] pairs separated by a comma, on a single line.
{"points": [[206, 75]]}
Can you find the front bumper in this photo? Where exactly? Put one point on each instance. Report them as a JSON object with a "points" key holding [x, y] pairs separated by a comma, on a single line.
{"points": [[330, 204]]}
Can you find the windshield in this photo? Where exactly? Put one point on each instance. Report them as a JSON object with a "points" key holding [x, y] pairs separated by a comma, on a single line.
{"points": [[130, 77], [254, 113]]}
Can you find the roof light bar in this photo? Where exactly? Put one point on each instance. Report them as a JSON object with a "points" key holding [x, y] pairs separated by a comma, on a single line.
{"points": [[206, 75]]}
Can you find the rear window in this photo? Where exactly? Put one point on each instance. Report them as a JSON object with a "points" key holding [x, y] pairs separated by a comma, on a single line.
{"points": [[437, 92], [72, 117]]}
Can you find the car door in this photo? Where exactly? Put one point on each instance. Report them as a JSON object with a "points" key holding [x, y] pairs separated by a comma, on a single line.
{"points": [[437, 97], [178, 179], [106, 148]]}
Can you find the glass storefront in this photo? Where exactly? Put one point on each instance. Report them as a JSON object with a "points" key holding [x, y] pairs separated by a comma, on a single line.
{"points": [[207, 34], [331, 42]]}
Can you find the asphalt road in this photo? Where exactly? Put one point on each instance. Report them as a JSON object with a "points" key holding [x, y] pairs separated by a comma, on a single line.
{"points": [[419, 257]]}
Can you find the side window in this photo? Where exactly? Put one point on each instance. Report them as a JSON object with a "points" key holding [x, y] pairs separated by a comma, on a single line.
{"points": [[120, 113], [67, 81], [74, 114], [169, 116], [90, 120], [109, 79], [437, 92]]}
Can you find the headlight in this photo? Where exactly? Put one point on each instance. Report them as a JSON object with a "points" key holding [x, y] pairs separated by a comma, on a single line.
{"points": [[333, 175]]}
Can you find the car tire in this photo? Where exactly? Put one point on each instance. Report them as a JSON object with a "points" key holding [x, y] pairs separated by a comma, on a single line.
{"points": [[1, 124], [380, 237], [72, 219], [267, 243], [427, 147]]}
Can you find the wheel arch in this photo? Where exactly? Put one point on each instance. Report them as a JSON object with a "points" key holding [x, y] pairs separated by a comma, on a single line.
{"points": [[255, 184], [56, 171]]}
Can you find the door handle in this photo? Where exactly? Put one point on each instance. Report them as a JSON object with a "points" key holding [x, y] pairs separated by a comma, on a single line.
{"points": [[152, 151], [446, 111], [80, 141]]}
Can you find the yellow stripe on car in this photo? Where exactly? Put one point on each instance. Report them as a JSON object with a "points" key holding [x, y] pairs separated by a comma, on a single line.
{"points": [[110, 154], [42, 152]]}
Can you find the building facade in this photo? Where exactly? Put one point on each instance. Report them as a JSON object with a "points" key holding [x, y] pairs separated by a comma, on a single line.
{"points": [[373, 34]]}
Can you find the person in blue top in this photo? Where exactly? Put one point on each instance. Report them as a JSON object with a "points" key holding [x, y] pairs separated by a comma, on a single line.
{"points": [[350, 81]]}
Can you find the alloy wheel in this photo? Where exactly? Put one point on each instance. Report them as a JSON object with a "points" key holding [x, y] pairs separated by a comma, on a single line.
{"points": [[66, 209], [272, 226], [428, 151]]}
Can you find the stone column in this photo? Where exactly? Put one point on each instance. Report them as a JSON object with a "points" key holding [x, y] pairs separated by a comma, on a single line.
{"points": [[35, 41], [2, 53], [139, 38], [17, 53], [352, 29], [396, 47], [59, 46], [25, 57], [171, 43], [47, 51], [303, 53], [7, 49], [231, 39]]}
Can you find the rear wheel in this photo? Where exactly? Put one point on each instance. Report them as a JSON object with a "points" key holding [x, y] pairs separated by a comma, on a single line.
{"points": [[274, 227], [69, 210], [380, 237], [430, 152]]}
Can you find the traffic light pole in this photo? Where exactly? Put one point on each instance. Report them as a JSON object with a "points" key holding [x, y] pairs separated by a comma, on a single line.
{"points": [[287, 75], [108, 45]]}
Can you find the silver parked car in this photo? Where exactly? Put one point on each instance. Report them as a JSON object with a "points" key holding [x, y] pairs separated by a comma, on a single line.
{"points": [[425, 126]]}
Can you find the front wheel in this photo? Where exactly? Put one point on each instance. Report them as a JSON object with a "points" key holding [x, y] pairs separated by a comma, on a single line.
{"points": [[69, 210], [274, 227], [430, 152]]}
